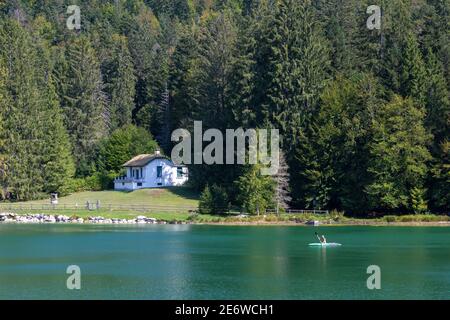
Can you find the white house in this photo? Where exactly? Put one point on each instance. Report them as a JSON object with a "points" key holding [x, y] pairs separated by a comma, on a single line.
{"points": [[151, 171]]}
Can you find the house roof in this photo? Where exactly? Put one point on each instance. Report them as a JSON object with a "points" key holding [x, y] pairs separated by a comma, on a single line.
{"points": [[142, 160]]}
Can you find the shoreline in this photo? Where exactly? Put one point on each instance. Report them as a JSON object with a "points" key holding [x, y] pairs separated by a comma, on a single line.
{"points": [[38, 218], [345, 224]]}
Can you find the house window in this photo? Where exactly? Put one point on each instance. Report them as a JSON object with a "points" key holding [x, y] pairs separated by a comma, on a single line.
{"points": [[139, 184], [159, 171], [179, 172]]}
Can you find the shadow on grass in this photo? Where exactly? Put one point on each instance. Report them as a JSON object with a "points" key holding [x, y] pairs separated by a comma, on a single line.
{"points": [[184, 192]]}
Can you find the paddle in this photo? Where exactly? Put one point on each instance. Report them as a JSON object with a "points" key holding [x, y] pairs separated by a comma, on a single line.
{"points": [[318, 237]]}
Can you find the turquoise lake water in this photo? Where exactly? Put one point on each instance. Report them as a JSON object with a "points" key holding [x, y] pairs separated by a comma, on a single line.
{"points": [[222, 262]]}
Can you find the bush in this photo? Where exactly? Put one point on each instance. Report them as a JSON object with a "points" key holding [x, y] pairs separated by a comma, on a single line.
{"points": [[213, 200], [205, 205], [416, 218], [418, 202], [96, 182], [123, 144], [390, 218], [336, 215]]}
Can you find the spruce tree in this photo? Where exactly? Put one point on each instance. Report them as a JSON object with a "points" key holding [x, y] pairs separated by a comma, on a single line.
{"points": [[256, 191], [3, 105], [23, 120], [120, 82], [37, 155], [151, 68], [83, 101], [413, 73]]}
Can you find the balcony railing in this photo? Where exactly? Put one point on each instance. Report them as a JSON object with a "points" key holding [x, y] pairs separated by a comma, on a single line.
{"points": [[126, 179]]}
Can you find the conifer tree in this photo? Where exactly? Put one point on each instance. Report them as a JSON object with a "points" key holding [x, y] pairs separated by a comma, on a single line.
{"points": [[256, 191], [3, 105], [413, 73], [151, 68], [37, 154], [120, 83], [83, 101]]}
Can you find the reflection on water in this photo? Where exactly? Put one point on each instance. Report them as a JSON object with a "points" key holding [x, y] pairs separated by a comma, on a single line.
{"points": [[222, 262]]}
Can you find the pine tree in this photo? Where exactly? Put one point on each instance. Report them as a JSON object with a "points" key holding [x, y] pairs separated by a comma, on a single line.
{"points": [[299, 60], [83, 102], [58, 167], [22, 123], [120, 83], [396, 27], [437, 101], [37, 155], [3, 106], [418, 203], [151, 68], [341, 19], [205, 204], [438, 123], [413, 73], [165, 116], [211, 71], [256, 191], [179, 83]]}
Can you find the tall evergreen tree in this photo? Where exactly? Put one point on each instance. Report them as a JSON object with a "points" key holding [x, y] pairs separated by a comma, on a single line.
{"points": [[3, 106], [151, 68], [38, 158], [83, 101], [413, 73], [256, 191], [24, 135], [120, 82]]}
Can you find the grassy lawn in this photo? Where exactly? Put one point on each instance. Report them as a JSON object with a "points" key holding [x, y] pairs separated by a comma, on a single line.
{"points": [[167, 198], [175, 196]]}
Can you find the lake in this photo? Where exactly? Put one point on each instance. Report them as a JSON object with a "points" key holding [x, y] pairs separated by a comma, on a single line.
{"points": [[222, 262]]}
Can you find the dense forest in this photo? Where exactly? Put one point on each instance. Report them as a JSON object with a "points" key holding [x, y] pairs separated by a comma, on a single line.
{"points": [[364, 114]]}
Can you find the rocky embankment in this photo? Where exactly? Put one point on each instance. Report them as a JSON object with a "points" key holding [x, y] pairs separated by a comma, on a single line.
{"points": [[48, 218]]}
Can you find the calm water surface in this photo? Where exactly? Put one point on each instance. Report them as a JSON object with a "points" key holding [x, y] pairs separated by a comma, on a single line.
{"points": [[222, 262]]}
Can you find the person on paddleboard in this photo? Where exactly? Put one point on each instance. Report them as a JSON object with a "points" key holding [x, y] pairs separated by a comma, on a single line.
{"points": [[321, 238]]}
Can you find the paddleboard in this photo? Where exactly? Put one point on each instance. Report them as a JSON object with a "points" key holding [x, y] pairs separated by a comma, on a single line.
{"points": [[328, 244]]}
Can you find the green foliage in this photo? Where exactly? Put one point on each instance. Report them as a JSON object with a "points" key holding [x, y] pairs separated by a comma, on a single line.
{"points": [[256, 191], [398, 154], [37, 155], [82, 100], [120, 82], [206, 201], [123, 144], [213, 200], [418, 203], [363, 114]]}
